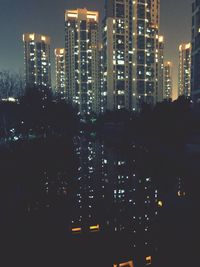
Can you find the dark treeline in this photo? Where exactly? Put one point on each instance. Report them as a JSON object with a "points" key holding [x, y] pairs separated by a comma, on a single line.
{"points": [[170, 122], [37, 113]]}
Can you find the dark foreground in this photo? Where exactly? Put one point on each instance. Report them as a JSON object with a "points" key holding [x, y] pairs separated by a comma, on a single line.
{"points": [[98, 202]]}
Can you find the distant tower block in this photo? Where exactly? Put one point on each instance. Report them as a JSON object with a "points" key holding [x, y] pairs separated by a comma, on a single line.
{"points": [[168, 83], [60, 70], [160, 71], [37, 60], [184, 86]]}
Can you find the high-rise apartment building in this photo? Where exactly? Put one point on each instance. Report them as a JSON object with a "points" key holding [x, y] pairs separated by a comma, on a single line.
{"points": [[60, 71], [37, 60], [103, 93], [160, 70], [195, 79], [82, 59], [130, 40], [168, 83], [184, 86]]}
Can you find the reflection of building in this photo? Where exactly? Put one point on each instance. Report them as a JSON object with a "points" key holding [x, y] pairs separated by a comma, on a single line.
{"points": [[107, 179], [82, 59], [130, 38], [60, 70], [37, 60], [133, 202], [196, 51], [184, 69], [89, 190], [113, 195], [168, 85]]}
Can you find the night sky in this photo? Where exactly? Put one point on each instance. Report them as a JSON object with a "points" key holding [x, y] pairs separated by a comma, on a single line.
{"points": [[47, 17]]}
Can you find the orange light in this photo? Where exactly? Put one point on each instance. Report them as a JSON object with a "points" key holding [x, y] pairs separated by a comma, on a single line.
{"points": [[160, 203], [124, 264], [75, 230]]}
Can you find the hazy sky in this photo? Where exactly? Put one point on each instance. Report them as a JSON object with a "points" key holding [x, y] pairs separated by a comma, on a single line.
{"points": [[47, 17]]}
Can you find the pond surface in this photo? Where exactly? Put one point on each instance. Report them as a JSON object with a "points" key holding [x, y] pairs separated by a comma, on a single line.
{"points": [[95, 202]]}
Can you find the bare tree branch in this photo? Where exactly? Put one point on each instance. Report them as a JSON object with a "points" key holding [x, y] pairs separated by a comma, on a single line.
{"points": [[11, 84]]}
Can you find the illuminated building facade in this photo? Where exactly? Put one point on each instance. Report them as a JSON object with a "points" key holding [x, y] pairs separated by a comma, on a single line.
{"points": [[196, 51], [185, 70], [37, 60], [168, 84], [82, 59], [101, 81], [130, 40], [60, 70], [160, 69]]}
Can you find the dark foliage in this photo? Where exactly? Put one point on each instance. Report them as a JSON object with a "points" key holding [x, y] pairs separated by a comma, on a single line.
{"points": [[37, 114], [171, 122]]}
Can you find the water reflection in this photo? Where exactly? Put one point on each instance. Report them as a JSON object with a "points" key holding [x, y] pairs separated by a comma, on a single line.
{"points": [[100, 201], [114, 195]]}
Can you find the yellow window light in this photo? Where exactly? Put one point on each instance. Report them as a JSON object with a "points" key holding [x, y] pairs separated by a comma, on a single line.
{"points": [[161, 39], [148, 260], [32, 36], [160, 203], [187, 46], [72, 15], [95, 227]]}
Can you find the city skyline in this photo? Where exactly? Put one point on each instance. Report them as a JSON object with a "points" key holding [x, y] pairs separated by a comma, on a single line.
{"points": [[100, 132], [172, 13]]}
